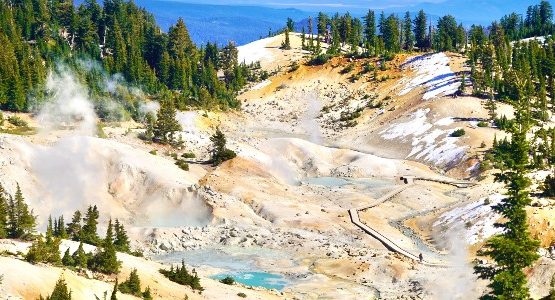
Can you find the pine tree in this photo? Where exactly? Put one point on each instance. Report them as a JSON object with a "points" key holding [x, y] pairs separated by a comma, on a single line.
{"points": [[513, 250], [121, 241], [21, 222], [420, 23], [286, 44], [105, 260], [60, 292], [290, 25], [407, 33], [62, 233], [3, 213], [115, 291], [166, 123], [322, 24], [229, 64], [88, 231], [132, 285], [370, 29], [461, 89], [303, 39], [390, 34], [219, 151], [74, 227], [147, 294], [80, 258], [44, 250], [67, 259]]}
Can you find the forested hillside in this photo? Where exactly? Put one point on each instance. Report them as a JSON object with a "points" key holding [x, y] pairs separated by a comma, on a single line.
{"points": [[38, 35]]}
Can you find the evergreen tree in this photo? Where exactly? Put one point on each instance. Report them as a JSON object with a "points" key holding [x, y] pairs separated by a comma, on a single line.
{"points": [[80, 258], [67, 259], [132, 285], [147, 294], [286, 44], [115, 291], [88, 233], [3, 213], [166, 124], [303, 39], [21, 222], [74, 227], [121, 241], [370, 27], [514, 249], [149, 125], [390, 34], [322, 24], [182, 276], [61, 232], [446, 37], [420, 24], [60, 292], [290, 25], [105, 260], [407, 33], [46, 251], [219, 151]]}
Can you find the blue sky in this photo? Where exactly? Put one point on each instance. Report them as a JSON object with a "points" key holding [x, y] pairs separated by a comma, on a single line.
{"points": [[471, 11]]}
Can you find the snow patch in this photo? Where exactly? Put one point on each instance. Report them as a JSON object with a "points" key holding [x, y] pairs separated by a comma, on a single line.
{"points": [[433, 72], [417, 126], [445, 121], [255, 51], [477, 217], [261, 85], [435, 145]]}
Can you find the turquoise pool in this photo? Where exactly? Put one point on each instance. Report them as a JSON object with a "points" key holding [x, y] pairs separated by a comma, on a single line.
{"points": [[257, 279]]}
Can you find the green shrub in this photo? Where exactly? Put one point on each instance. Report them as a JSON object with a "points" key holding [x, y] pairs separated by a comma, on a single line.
{"points": [[183, 165], [1, 118], [294, 67], [348, 69], [319, 59], [264, 75], [228, 280], [503, 123], [482, 124], [242, 295], [17, 121], [153, 152], [458, 133], [182, 276], [548, 186], [188, 155], [368, 67]]}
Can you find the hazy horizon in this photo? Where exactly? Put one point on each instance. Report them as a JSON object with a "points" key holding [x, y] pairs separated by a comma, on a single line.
{"points": [[482, 11]]}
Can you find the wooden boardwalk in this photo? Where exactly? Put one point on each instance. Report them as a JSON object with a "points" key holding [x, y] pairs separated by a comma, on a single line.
{"points": [[387, 242]]}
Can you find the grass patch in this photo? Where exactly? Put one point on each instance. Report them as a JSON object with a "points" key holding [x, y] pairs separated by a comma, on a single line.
{"points": [[17, 121], [100, 130], [19, 130]]}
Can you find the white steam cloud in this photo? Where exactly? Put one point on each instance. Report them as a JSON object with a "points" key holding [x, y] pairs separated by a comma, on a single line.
{"points": [[308, 122], [79, 170], [458, 281], [69, 106]]}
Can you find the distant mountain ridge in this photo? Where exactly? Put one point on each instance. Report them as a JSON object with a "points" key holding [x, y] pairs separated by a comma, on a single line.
{"points": [[221, 23], [244, 23]]}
